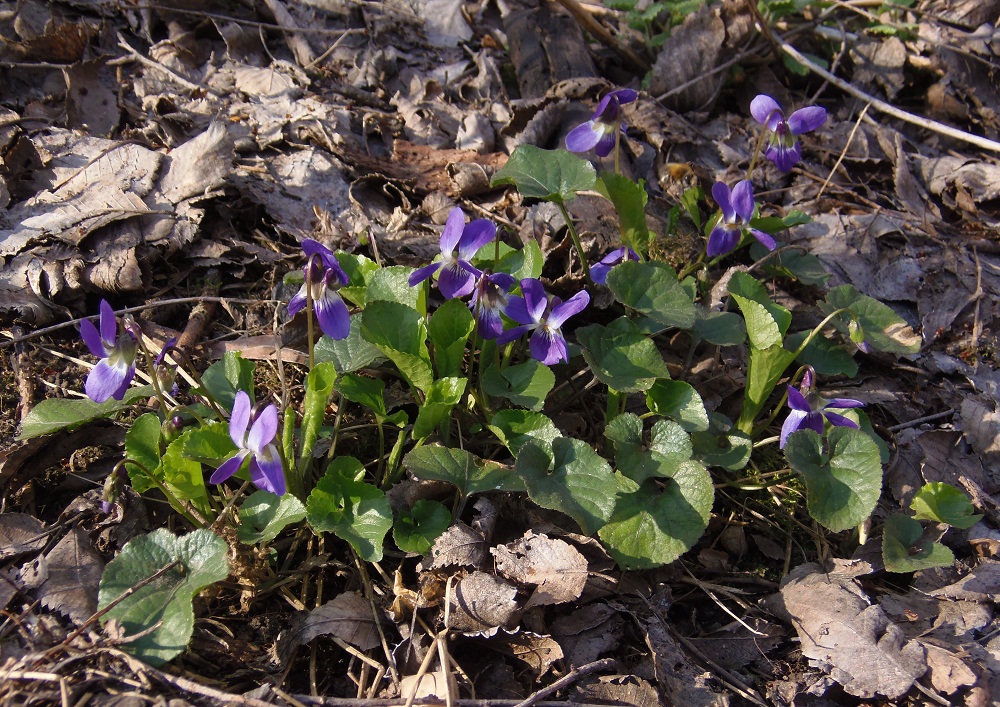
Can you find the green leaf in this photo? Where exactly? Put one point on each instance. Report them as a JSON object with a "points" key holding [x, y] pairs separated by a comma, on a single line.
{"points": [[766, 321], [551, 175], [166, 600], [224, 378], [680, 401], [357, 512], [183, 477], [263, 515], [621, 356], [651, 528], [568, 476], [653, 290], [827, 357], [723, 445], [460, 468], [208, 444], [363, 391], [358, 269], [348, 354], [319, 388], [515, 427], [721, 328], [942, 503], [449, 328], [416, 529], [392, 284], [906, 549], [690, 199], [630, 200], [793, 262], [764, 369], [883, 329], [444, 394], [669, 447], [525, 384], [399, 332], [54, 414], [142, 444], [843, 485], [521, 263]]}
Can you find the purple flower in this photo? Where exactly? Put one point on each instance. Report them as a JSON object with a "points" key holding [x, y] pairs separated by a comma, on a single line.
{"points": [[598, 133], [111, 376], [323, 277], [459, 242], [488, 300], [536, 312], [266, 471], [784, 148], [809, 409], [737, 210], [599, 271]]}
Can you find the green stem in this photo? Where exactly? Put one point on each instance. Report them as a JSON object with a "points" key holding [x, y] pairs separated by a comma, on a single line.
{"points": [[576, 239], [818, 328], [336, 425]]}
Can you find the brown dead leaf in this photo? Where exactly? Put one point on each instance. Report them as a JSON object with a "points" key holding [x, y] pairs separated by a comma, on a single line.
{"points": [[616, 690], [880, 60], [20, 533], [980, 585], [981, 425], [540, 652], [837, 626], [66, 578], [347, 616], [682, 682], [947, 671], [587, 633], [556, 569], [459, 546], [482, 603]]}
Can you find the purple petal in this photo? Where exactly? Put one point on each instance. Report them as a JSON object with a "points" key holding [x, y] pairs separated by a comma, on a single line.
{"points": [[228, 468], [312, 248], [126, 381], [563, 311], [92, 339], [106, 381], [109, 325], [583, 138], [792, 424], [296, 303], [502, 280], [549, 348], [624, 95], [511, 334], [535, 300], [335, 275], [764, 238], [605, 144], [263, 430], [239, 420], [453, 229], [722, 240], [840, 420], [332, 315], [599, 273], [806, 120], [266, 471], [797, 401], [490, 324], [785, 158], [517, 310], [455, 281], [766, 111], [723, 197], [844, 403], [607, 108], [421, 274], [477, 234], [743, 201]]}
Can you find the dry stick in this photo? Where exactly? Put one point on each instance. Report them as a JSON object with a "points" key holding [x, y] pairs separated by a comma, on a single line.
{"points": [[569, 678], [887, 108], [296, 42], [588, 22], [843, 154], [170, 74]]}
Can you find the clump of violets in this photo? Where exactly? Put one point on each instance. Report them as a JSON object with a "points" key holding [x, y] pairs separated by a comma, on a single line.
{"points": [[323, 277], [112, 375], [738, 207], [459, 242], [599, 271], [544, 316], [489, 299], [809, 410], [600, 132], [783, 147], [265, 468]]}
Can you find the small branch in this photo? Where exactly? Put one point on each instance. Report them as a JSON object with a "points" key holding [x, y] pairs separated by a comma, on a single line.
{"points": [[588, 22], [160, 68], [568, 679], [293, 36]]}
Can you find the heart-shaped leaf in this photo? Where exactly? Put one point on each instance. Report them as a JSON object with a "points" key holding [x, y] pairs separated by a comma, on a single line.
{"points": [[552, 175]]}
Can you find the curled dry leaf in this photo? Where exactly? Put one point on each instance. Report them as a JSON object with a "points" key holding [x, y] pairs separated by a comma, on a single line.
{"points": [[347, 616], [481, 603], [20, 533], [459, 546], [540, 652], [556, 569]]}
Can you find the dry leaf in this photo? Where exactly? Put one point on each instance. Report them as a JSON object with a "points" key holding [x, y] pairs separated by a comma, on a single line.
{"points": [[482, 603], [948, 673], [347, 616], [981, 425], [556, 569], [459, 546], [540, 652], [66, 578], [20, 533], [980, 585]]}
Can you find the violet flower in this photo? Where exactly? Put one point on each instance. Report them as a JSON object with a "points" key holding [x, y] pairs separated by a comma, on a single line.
{"points": [[266, 470], [599, 271], [459, 242], [598, 133], [488, 300], [111, 376], [783, 147], [544, 316], [323, 277], [737, 209], [809, 410]]}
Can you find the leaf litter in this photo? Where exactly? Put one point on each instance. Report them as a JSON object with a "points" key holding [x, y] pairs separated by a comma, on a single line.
{"points": [[215, 151]]}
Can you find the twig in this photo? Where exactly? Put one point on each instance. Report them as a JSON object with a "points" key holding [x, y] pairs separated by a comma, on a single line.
{"points": [[850, 138], [922, 420], [588, 22], [568, 679], [888, 108], [293, 37], [170, 74]]}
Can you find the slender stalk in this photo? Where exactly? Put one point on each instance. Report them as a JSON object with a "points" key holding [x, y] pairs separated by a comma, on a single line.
{"points": [[618, 142], [819, 327], [576, 239]]}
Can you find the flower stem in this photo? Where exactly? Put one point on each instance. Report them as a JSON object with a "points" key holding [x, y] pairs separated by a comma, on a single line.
{"points": [[818, 328], [576, 239]]}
